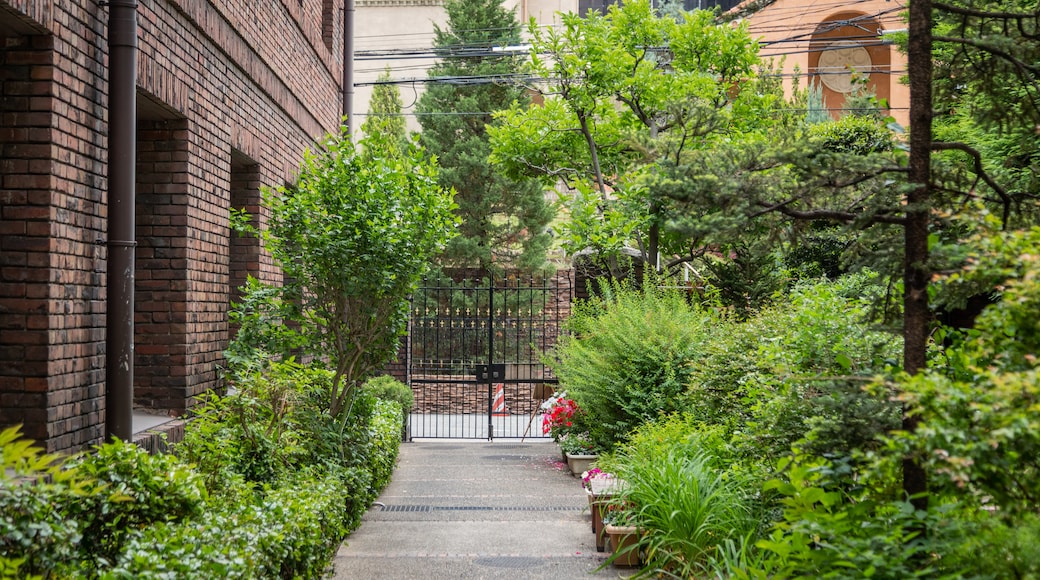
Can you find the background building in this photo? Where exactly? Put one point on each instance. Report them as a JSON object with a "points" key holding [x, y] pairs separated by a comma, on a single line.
{"points": [[825, 41]]}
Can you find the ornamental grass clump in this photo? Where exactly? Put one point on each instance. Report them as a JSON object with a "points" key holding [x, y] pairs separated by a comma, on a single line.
{"points": [[686, 511]]}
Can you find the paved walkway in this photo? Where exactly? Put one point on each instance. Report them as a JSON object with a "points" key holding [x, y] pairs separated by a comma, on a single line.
{"points": [[476, 509]]}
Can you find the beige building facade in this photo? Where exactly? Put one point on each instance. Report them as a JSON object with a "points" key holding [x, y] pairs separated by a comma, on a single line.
{"points": [[400, 33], [831, 44]]}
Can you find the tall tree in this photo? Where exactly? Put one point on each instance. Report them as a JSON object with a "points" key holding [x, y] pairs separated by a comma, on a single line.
{"points": [[503, 221], [385, 131], [353, 237], [627, 92]]}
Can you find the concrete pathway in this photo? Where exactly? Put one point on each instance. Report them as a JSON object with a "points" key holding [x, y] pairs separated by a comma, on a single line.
{"points": [[476, 509]]}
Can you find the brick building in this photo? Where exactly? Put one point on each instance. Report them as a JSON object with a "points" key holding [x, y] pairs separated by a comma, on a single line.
{"points": [[229, 94]]}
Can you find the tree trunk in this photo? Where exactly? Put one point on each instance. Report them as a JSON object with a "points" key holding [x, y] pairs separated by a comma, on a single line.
{"points": [[916, 272]]}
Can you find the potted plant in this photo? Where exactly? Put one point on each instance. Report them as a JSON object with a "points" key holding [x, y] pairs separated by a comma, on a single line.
{"points": [[624, 544], [563, 419], [600, 487], [580, 453], [620, 532]]}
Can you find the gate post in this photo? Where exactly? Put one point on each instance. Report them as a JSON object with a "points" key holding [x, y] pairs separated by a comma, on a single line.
{"points": [[491, 355]]}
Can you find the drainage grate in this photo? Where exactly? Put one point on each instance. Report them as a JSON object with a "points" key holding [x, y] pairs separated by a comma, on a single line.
{"points": [[505, 457], [407, 508], [525, 508], [478, 508], [515, 562]]}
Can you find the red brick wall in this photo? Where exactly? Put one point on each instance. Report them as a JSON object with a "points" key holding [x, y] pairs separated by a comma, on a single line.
{"points": [[231, 92]]}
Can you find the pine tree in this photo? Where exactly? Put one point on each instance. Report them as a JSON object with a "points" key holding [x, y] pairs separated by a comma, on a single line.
{"points": [[384, 128], [503, 221]]}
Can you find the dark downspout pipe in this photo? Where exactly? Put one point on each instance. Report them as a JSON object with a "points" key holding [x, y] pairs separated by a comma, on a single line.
{"points": [[122, 151], [348, 66]]}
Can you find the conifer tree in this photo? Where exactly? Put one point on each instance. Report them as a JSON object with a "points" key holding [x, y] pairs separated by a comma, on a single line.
{"points": [[503, 221], [384, 128]]}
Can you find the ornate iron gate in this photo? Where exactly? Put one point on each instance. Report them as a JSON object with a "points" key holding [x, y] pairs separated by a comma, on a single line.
{"points": [[476, 348]]}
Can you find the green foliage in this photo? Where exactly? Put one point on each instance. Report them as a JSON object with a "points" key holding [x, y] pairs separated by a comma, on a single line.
{"points": [[134, 490], [388, 388], [819, 253], [986, 97], [385, 443], [684, 506], [385, 130], [746, 279], [502, 220], [261, 316], [856, 134], [627, 359], [833, 527], [354, 237], [997, 548], [618, 108], [271, 425], [35, 534], [798, 370]]}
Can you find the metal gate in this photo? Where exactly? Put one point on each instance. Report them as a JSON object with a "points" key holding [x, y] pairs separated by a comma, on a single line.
{"points": [[476, 354]]}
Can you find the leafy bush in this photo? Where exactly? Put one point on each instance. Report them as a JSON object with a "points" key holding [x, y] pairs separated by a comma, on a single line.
{"points": [[855, 134], [388, 388], [272, 424], [835, 526], [627, 359], [798, 370], [36, 535], [385, 443], [134, 490]]}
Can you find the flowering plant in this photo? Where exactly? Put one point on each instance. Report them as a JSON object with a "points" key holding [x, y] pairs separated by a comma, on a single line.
{"points": [[558, 415], [594, 474], [577, 444]]}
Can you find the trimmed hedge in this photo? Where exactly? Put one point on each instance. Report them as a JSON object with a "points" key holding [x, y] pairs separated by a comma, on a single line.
{"points": [[121, 513]]}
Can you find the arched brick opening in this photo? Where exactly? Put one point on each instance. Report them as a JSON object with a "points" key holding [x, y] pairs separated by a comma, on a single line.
{"points": [[849, 40]]}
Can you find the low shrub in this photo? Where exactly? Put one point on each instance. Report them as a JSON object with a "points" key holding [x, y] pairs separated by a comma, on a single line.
{"points": [[798, 370], [627, 358], [134, 490], [388, 388], [36, 535], [121, 513]]}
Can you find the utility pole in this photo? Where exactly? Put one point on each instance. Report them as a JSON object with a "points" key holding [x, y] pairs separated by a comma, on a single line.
{"points": [[348, 65]]}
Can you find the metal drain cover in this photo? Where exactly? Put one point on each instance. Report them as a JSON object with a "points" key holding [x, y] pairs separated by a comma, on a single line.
{"points": [[514, 562], [504, 457]]}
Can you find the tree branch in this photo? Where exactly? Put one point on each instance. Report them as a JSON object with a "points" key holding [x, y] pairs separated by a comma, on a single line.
{"points": [[1025, 68], [827, 214], [980, 171], [982, 13]]}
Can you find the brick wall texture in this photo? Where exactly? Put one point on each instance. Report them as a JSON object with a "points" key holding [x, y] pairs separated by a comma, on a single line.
{"points": [[230, 93]]}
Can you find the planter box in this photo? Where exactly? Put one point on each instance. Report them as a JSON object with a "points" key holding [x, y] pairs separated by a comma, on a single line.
{"points": [[603, 491], [579, 464], [623, 540], [598, 505]]}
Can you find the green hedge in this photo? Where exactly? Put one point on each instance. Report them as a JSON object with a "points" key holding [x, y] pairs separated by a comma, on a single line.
{"points": [[121, 513]]}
